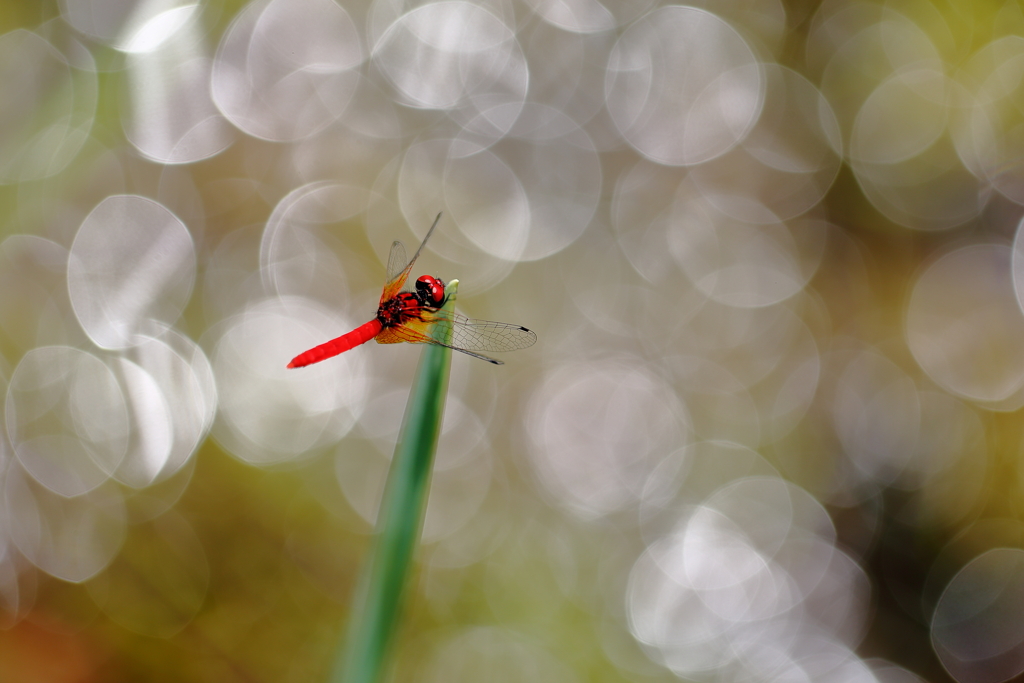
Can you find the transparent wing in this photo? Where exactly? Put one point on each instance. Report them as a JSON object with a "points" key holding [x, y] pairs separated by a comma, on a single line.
{"points": [[402, 333], [398, 269], [396, 261], [466, 334], [409, 333], [486, 335]]}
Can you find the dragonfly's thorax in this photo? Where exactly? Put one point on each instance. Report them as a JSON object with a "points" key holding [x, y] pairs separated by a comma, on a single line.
{"points": [[405, 306]]}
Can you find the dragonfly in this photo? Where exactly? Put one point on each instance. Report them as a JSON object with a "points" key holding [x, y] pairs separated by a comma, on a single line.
{"points": [[411, 316]]}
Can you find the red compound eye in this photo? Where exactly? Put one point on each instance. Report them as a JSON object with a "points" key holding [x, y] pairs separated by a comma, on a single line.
{"points": [[431, 289]]}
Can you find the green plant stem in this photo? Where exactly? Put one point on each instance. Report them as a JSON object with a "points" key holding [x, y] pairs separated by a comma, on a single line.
{"points": [[377, 605]]}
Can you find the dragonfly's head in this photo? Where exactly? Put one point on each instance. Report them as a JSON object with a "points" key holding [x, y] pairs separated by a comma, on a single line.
{"points": [[430, 290]]}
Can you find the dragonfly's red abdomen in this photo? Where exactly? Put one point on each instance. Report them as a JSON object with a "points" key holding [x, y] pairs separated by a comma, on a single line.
{"points": [[360, 335]]}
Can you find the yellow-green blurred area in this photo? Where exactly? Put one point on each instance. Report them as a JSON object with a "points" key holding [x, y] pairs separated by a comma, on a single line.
{"points": [[772, 252]]}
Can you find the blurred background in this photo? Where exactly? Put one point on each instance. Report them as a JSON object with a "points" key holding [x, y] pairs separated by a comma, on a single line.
{"points": [[772, 252]]}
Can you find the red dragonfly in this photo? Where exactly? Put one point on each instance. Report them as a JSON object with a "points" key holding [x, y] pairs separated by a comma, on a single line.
{"points": [[410, 317]]}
